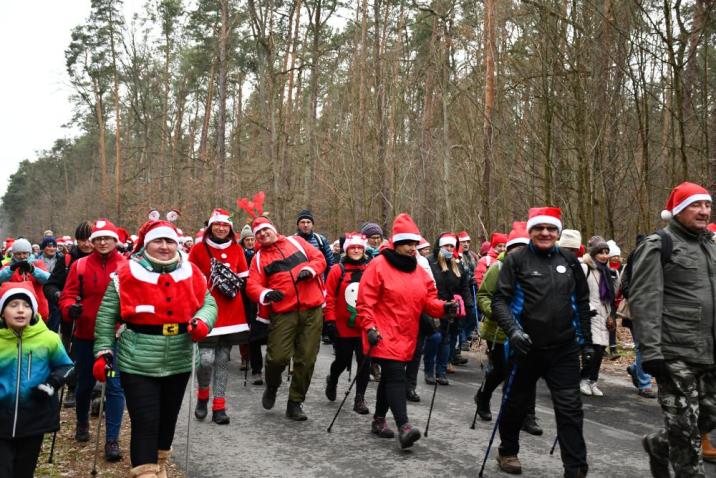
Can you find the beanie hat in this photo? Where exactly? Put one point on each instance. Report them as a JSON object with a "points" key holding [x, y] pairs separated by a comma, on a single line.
{"points": [[152, 230], [245, 232], [48, 241], [597, 244], [518, 235], [220, 215], [484, 248], [571, 238], [371, 229], [463, 236], [22, 245], [17, 290], [614, 250], [353, 239], [405, 229], [447, 239], [681, 197], [497, 238], [83, 231], [262, 222], [545, 215], [422, 244], [104, 228], [305, 214]]}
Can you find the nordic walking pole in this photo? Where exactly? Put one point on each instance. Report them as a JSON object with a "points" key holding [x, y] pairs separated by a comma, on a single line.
{"points": [[246, 374], [554, 445], [366, 361], [54, 435], [188, 418], [110, 373], [474, 418], [432, 402], [505, 396]]}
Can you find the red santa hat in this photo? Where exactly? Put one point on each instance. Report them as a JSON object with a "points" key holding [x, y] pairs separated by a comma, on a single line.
{"points": [[518, 234], [152, 230], [497, 238], [447, 239], [544, 215], [262, 222], [354, 239], [463, 236], [681, 197], [405, 229], [220, 215], [484, 248], [67, 240], [422, 244], [711, 227], [9, 291], [104, 228]]}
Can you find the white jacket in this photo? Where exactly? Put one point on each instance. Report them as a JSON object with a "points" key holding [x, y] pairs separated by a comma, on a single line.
{"points": [[600, 334]]}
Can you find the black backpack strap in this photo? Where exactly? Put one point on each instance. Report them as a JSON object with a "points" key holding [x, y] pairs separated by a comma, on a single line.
{"points": [[667, 245], [340, 281]]}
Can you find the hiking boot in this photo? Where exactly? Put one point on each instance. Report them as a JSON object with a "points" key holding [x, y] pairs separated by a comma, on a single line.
{"points": [[442, 381], [163, 457], [578, 473], [82, 432], [201, 411], [331, 388], [429, 379], [220, 417], [708, 448], [585, 388], [111, 451], [647, 392], [408, 435], [269, 398], [482, 400], [148, 470], [69, 401], [294, 411], [359, 406], [530, 425], [510, 464], [257, 379], [379, 427], [658, 462], [412, 396]]}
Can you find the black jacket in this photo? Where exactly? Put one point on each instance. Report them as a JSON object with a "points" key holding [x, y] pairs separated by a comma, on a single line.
{"points": [[56, 282], [449, 284], [544, 293]]}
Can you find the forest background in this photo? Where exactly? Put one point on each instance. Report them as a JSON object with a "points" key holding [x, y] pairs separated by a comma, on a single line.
{"points": [[462, 113]]}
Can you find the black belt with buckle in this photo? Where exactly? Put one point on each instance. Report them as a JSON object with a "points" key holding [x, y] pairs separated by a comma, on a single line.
{"points": [[160, 329]]}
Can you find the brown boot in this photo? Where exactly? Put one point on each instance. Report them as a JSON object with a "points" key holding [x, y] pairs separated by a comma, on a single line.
{"points": [[148, 470], [510, 464], [709, 450], [162, 459]]}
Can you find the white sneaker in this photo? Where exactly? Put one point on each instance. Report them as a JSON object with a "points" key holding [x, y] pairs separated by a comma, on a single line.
{"points": [[595, 390], [585, 388]]}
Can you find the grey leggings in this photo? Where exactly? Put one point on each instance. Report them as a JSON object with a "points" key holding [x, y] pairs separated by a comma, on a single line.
{"points": [[216, 358]]}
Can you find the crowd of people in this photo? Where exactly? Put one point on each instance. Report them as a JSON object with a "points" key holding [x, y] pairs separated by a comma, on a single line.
{"points": [[145, 314]]}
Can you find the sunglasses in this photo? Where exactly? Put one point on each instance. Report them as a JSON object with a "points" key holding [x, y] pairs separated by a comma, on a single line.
{"points": [[550, 229]]}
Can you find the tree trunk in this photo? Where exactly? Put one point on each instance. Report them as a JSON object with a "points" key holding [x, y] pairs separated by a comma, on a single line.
{"points": [[220, 160], [489, 53]]}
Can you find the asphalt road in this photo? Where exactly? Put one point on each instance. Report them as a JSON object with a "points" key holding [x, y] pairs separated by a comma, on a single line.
{"points": [[261, 443]]}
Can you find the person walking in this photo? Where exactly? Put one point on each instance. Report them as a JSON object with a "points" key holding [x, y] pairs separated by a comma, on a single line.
{"points": [[672, 298], [24, 267]]}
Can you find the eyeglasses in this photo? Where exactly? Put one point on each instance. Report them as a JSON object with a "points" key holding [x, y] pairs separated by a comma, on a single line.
{"points": [[550, 229]]}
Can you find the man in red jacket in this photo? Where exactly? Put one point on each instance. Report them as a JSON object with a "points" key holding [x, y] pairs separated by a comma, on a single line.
{"points": [[80, 299], [286, 273]]}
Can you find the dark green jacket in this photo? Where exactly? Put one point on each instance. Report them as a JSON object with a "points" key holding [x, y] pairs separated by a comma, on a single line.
{"points": [[489, 330]]}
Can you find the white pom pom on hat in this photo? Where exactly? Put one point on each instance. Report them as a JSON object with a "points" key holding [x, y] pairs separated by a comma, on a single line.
{"points": [[681, 197]]}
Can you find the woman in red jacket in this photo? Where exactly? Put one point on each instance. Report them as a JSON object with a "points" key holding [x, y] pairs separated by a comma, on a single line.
{"points": [[393, 292], [231, 327], [340, 315]]}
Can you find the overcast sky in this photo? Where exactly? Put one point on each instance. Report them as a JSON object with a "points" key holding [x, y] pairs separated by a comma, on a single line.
{"points": [[34, 89]]}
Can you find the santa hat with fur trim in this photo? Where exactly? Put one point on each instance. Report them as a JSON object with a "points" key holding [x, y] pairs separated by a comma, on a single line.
{"points": [[447, 239], [405, 229], [104, 228], [545, 215], [354, 239], [220, 215], [422, 244], [463, 236], [518, 234], [497, 238], [152, 230], [14, 290], [681, 197], [262, 222]]}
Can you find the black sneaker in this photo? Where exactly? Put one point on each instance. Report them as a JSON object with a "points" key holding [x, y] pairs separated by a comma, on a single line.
{"points": [[220, 417], [331, 389], [200, 411], [483, 406], [658, 462], [269, 398], [257, 379], [412, 395], [379, 427], [111, 451], [82, 432], [359, 406], [530, 425], [294, 411], [408, 435]]}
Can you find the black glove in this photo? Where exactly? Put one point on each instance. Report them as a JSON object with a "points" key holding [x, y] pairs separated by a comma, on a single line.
{"points": [[451, 308], [331, 331], [75, 311], [520, 341], [15, 265], [373, 337], [656, 368], [46, 389], [587, 356], [304, 275], [26, 267], [274, 296]]}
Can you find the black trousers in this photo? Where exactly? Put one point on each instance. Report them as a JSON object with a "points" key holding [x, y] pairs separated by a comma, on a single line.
{"points": [[18, 456], [391, 391], [559, 367], [411, 371], [345, 347], [153, 404], [256, 358], [498, 372], [592, 372]]}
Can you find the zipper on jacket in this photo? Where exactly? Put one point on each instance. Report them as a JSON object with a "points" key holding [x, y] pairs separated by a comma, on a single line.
{"points": [[17, 384], [29, 365]]}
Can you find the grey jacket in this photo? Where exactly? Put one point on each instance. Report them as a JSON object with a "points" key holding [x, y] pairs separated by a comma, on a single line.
{"points": [[673, 306]]}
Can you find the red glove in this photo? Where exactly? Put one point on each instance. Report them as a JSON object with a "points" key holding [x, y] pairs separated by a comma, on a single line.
{"points": [[102, 367], [198, 329]]}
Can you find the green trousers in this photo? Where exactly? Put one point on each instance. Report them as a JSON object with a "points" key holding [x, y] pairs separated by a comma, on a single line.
{"points": [[294, 335]]}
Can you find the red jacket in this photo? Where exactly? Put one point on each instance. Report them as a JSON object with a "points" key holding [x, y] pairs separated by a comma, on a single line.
{"points": [[277, 266], [336, 309], [483, 264], [232, 317], [391, 301], [94, 270]]}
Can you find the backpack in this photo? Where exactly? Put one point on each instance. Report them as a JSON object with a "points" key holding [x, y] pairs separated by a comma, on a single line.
{"points": [[667, 247]]}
